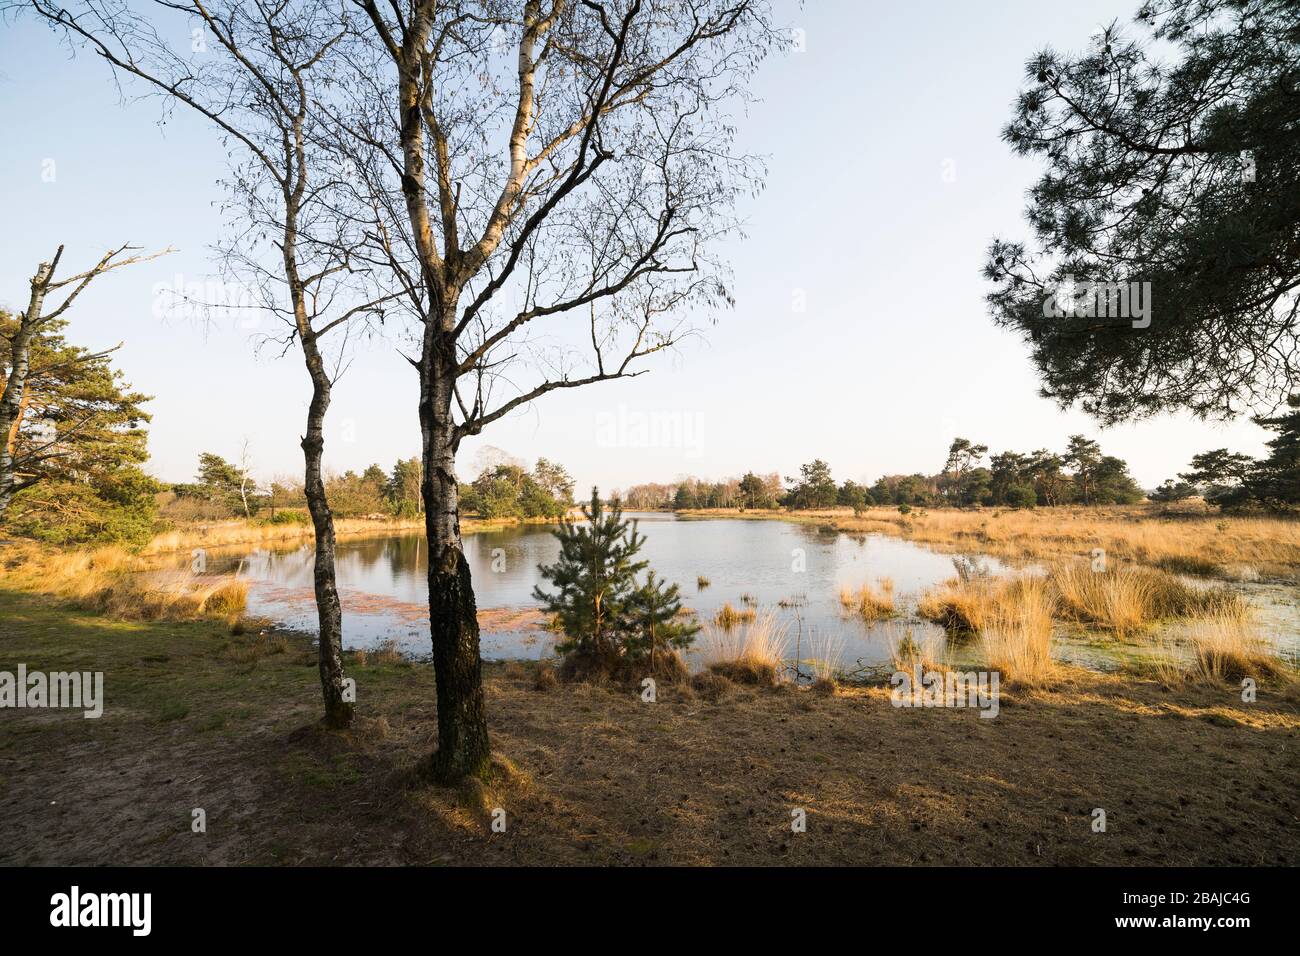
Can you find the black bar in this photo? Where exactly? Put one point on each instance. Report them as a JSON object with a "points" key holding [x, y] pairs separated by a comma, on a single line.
{"points": [[212, 906]]}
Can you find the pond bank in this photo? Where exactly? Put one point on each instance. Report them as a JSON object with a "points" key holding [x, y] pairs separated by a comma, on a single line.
{"points": [[220, 534]]}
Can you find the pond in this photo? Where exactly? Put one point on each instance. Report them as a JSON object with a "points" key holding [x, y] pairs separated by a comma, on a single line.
{"points": [[794, 571]]}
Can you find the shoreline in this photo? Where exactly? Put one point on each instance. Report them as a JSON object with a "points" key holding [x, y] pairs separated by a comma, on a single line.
{"points": [[1243, 549], [231, 533]]}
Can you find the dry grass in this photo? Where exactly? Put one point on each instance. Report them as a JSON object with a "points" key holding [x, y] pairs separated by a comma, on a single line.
{"points": [[1194, 539], [687, 781], [604, 668], [871, 604], [545, 679], [219, 534], [1128, 599], [958, 605], [1228, 647], [1221, 644], [910, 654], [114, 583], [1123, 599], [130, 585], [749, 654], [1013, 618], [729, 617], [1017, 635], [825, 655]]}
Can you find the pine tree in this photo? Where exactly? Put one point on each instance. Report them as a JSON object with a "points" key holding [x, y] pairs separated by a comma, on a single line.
{"points": [[653, 612], [1276, 480], [595, 577], [76, 444], [1172, 158]]}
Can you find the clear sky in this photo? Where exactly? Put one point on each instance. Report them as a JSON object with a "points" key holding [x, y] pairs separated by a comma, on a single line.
{"points": [[887, 180]]}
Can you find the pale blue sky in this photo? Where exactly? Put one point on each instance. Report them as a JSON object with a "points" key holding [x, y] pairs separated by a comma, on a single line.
{"points": [[893, 355]]}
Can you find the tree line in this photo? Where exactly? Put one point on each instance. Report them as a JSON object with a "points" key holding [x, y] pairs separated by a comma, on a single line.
{"points": [[1233, 480], [1080, 474], [225, 489]]}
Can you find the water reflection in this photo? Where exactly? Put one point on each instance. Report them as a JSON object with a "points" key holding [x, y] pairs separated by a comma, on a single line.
{"points": [[796, 570]]}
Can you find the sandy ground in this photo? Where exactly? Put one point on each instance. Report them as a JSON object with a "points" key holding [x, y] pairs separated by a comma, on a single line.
{"points": [[196, 718]]}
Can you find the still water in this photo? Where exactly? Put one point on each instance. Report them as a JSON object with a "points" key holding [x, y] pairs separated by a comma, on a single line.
{"points": [[794, 570]]}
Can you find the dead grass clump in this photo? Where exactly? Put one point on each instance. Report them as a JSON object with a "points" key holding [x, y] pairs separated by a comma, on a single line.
{"points": [[728, 616], [388, 653], [1127, 599], [747, 670], [1122, 599], [959, 606], [172, 597], [909, 653], [226, 598], [668, 668], [1189, 564], [825, 652], [1227, 646], [710, 685], [544, 678], [826, 686], [118, 584], [1017, 637], [586, 668], [752, 654], [596, 668], [870, 603]]}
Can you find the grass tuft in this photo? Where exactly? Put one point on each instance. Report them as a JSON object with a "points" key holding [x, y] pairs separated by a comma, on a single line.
{"points": [[1017, 636], [752, 654], [871, 604], [728, 617]]}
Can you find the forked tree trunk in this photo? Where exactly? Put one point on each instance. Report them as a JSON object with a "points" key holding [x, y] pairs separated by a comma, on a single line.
{"points": [[463, 748]]}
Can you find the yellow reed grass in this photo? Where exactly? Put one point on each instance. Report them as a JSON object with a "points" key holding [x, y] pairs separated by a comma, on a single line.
{"points": [[870, 603], [751, 653]]}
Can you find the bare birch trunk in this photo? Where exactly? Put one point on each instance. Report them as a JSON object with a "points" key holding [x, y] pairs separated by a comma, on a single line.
{"points": [[329, 613], [11, 402], [338, 712], [463, 748]]}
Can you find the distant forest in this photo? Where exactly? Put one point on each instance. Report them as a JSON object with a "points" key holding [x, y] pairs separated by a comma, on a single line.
{"points": [[1081, 474]]}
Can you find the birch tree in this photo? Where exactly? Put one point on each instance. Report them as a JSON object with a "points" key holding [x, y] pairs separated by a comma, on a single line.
{"points": [[255, 69], [556, 175]]}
